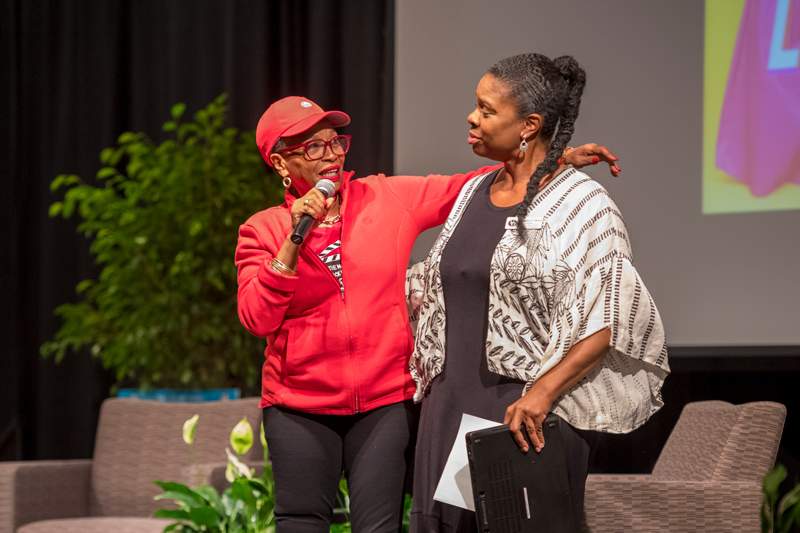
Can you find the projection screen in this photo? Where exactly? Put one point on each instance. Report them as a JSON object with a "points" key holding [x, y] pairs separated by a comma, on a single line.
{"points": [[722, 268]]}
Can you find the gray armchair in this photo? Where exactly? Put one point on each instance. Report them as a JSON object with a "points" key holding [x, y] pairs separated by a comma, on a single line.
{"points": [[138, 442], [707, 478]]}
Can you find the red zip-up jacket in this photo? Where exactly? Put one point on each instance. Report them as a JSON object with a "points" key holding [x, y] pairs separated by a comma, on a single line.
{"points": [[330, 352]]}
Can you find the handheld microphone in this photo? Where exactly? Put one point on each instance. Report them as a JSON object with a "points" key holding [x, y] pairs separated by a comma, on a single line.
{"points": [[327, 188]]}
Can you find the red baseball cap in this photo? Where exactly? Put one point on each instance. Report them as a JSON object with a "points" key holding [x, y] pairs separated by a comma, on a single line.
{"points": [[290, 116]]}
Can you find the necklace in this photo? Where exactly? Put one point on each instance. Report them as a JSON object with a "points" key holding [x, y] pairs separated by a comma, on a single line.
{"points": [[330, 221]]}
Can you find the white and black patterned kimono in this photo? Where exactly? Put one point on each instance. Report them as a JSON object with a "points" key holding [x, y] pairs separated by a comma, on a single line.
{"points": [[570, 277]]}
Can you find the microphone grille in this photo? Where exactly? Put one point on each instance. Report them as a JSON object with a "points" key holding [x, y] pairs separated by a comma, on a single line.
{"points": [[326, 187]]}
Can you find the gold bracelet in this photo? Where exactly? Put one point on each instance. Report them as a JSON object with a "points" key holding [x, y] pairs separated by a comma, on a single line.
{"points": [[564, 153], [277, 269], [280, 268], [281, 264]]}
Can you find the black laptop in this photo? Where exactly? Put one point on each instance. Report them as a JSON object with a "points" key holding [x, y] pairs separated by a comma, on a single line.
{"points": [[519, 492]]}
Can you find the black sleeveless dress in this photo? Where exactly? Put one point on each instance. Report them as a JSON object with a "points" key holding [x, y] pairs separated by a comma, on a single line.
{"points": [[465, 385]]}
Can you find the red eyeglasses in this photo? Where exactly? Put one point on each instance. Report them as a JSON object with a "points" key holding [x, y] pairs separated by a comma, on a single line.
{"points": [[315, 148]]}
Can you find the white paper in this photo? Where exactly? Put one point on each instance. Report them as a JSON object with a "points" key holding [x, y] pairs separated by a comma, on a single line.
{"points": [[455, 486]]}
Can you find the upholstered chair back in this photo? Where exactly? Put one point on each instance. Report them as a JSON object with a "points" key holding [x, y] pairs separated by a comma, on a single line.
{"points": [[719, 441], [140, 441]]}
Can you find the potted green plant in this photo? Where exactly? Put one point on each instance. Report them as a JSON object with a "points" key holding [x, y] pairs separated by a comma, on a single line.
{"points": [[163, 220]]}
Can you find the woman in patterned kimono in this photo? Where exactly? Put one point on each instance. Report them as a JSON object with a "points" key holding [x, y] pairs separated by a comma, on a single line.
{"points": [[531, 304]]}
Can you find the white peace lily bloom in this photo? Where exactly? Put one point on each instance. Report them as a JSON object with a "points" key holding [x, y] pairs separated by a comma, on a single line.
{"points": [[236, 468], [189, 428], [230, 475], [242, 437], [262, 437]]}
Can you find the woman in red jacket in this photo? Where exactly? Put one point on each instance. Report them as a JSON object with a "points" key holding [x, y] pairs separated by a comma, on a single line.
{"points": [[336, 389]]}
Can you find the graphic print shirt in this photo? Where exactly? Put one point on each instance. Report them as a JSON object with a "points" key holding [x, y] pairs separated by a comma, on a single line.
{"points": [[326, 243]]}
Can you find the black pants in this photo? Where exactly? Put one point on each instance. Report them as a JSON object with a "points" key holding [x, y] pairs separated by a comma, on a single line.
{"points": [[309, 453]]}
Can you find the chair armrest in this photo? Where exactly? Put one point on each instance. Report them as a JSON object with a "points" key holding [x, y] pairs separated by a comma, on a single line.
{"points": [[40, 490], [641, 503]]}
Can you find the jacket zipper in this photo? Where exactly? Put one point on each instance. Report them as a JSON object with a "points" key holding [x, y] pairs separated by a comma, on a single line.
{"points": [[315, 259], [347, 312], [350, 346]]}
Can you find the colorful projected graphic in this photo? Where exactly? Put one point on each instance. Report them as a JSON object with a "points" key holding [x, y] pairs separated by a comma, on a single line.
{"points": [[751, 138]]}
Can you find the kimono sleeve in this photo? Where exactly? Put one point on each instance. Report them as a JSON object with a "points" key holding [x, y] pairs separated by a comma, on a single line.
{"points": [[594, 286], [415, 289], [610, 292]]}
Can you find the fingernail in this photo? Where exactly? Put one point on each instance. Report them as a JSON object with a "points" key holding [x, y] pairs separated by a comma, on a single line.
{"points": [[616, 159], [538, 450], [560, 159], [596, 159]]}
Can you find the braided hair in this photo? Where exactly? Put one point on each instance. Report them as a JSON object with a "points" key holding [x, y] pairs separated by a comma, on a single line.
{"points": [[552, 89]]}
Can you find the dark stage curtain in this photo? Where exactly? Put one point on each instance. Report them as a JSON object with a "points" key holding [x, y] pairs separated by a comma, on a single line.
{"points": [[74, 74]]}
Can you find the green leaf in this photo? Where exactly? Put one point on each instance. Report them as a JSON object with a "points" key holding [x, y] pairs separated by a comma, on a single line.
{"points": [[116, 155], [184, 500], [213, 498], [195, 227], [240, 489], [170, 126], [55, 208], [178, 110], [105, 172], [790, 500], [204, 516], [174, 487], [176, 514], [258, 485], [772, 481], [106, 155], [792, 518], [83, 285], [56, 183]]}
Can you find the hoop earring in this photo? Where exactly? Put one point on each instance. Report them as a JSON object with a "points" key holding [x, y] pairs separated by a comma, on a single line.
{"points": [[287, 182], [523, 146]]}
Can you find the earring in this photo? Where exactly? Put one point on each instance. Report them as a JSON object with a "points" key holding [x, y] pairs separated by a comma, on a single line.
{"points": [[287, 182], [523, 146]]}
